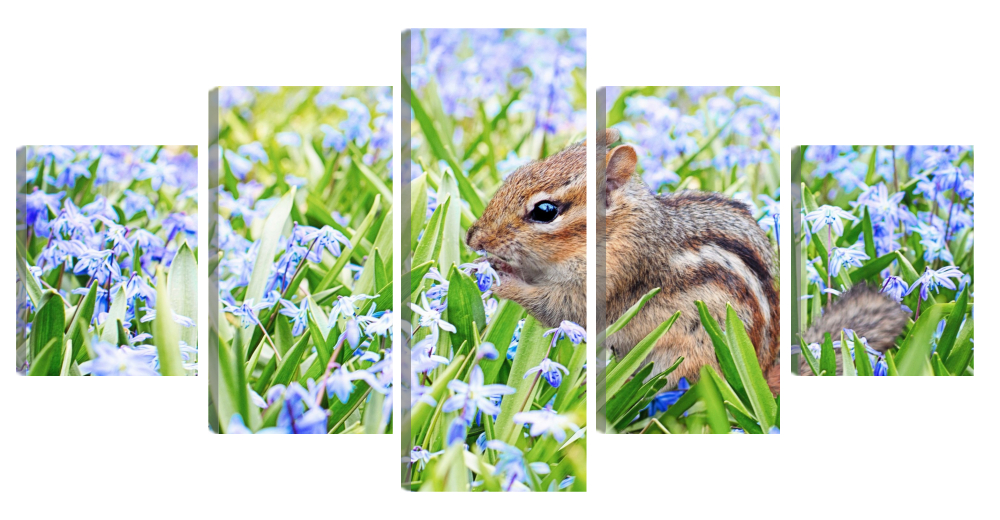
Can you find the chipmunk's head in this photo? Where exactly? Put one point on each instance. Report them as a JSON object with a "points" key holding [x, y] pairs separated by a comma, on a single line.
{"points": [[534, 231]]}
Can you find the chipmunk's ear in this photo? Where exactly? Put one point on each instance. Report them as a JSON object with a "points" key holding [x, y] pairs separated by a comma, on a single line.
{"points": [[611, 136], [620, 167]]}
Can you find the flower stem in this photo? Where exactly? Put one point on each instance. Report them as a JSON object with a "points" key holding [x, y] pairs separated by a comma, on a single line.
{"points": [[829, 271], [330, 368], [269, 341]]}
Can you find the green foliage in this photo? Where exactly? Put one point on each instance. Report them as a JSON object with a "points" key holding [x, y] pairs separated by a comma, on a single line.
{"points": [[310, 182], [739, 398]]}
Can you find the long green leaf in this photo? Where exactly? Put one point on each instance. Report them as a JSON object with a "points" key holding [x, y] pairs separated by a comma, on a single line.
{"points": [[530, 351], [722, 352], [745, 357], [165, 332], [274, 226], [954, 323], [183, 286], [625, 318], [48, 327], [635, 358]]}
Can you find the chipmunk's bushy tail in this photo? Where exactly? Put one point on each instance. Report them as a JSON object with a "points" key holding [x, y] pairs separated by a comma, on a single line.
{"points": [[870, 314]]}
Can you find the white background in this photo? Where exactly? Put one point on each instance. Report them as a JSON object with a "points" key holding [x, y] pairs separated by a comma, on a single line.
{"points": [[850, 73]]}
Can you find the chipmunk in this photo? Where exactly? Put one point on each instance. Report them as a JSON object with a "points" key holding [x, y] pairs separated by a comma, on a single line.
{"points": [[534, 233], [695, 246], [871, 315]]}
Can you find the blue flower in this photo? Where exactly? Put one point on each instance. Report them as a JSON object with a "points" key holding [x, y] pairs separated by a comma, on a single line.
{"points": [[665, 400], [850, 256], [254, 151], [299, 315], [70, 174], [247, 312], [569, 330], [292, 139], [546, 421], [457, 431], [180, 222], [340, 382], [430, 317], [829, 216], [475, 395], [484, 273], [418, 454], [112, 360], [487, 351], [932, 280], [550, 371], [333, 138], [894, 287], [326, 238]]}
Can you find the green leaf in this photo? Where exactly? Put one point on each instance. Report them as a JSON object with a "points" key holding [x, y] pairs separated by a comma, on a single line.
{"points": [[625, 318], [438, 146], [871, 269], [845, 357], [117, 312], [722, 351], [430, 244], [81, 323], [623, 400], [745, 358], [938, 366], [418, 207], [183, 286], [864, 368], [67, 361], [422, 412], [371, 177], [47, 357], [465, 307], [913, 358], [380, 277], [499, 332], [714, 407], [890, 361], [747, 423], [828, 357], [286, 370], [383, 243], [46, 328], [634, 359], [727, 392], [345, 255], [30, 284], [165, 332], [809, 357], [531, 350], [869, 234], [954, 323], [451, 234], [283, 339], [961, 354], [274, 226]]}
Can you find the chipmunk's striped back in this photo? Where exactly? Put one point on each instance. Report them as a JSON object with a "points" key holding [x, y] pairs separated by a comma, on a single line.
{"points": [[694, 246]]}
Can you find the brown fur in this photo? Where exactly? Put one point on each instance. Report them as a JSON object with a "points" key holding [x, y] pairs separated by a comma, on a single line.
{"points": [[549, 260], [870, 314], [694, 246]]}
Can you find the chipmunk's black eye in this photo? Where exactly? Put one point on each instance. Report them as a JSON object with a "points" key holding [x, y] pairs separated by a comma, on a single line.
{"points": [[544, 211]]}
